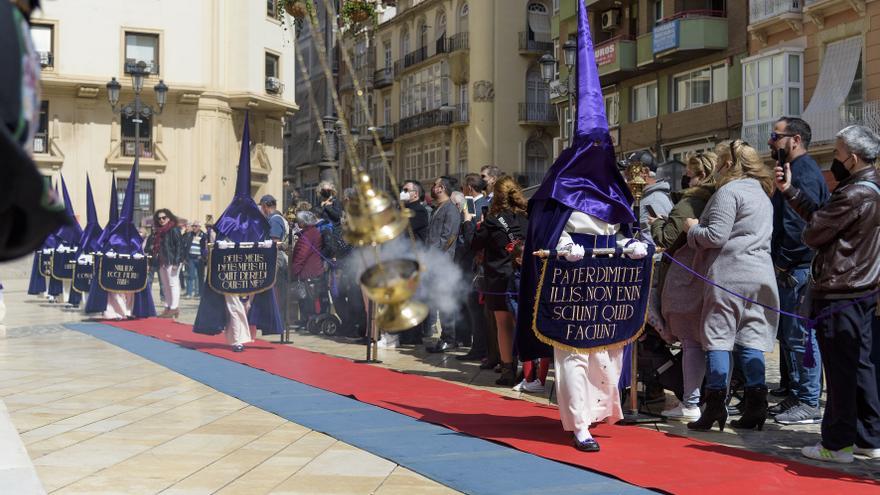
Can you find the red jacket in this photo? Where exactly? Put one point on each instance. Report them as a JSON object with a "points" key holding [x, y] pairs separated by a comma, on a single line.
{"points": [[306, 260]]}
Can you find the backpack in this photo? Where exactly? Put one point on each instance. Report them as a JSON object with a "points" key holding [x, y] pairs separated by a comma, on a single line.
{"points": [[332, 243]]}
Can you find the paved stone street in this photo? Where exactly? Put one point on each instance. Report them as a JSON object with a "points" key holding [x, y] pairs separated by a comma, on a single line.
{"points": [[100, 420]]}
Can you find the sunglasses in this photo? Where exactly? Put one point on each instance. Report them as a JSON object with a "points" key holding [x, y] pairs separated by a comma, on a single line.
{"points": [[775, 136], [163, 217]]}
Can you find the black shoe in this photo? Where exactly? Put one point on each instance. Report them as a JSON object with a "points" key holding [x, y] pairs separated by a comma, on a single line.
{"points": [[780, 392], [441, 346], [470, 357], [783, 406], [508, 375], [588, 445], [754, 409], [715, 410], [488, 365], [238, 348]]}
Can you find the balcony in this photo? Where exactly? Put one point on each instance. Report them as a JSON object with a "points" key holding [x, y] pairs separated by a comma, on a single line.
{"points": [[768, 17], [388, 133], [151, 68], [457, 42], [128, 148], [383, 77], [530, 46], [817, 10], [684, 36], [364, 77], [615, 58], [425, 120], [415, 57], [542, 114]]}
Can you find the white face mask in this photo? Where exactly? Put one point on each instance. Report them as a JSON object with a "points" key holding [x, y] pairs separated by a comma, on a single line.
{"points": [[404, 196]]}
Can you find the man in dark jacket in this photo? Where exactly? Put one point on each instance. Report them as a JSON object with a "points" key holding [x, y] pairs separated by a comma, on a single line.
{"points": [[789, 142], [331, 206], [412, 195], [845, 232]]}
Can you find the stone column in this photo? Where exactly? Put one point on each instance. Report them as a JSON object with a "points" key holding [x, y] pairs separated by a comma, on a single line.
{"points": [[481, 72]]}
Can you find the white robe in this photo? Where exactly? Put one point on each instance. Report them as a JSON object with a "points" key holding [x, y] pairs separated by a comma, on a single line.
{"points": [[237, 331], [119, 305], [586, 384]]}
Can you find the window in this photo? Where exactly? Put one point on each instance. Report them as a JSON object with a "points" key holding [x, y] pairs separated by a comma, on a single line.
{"points": [[612, 109], [271, 8], [386, 110], [462, 157], [644, 102], [463, 18], [556, 56], [404, 43], [42, 35], [146, 198], [537, 160], [41, 138], [423, 162], [389, 62], [538, 22], [129, 129], [423, 35], [424, 90], [272, 63], [555, 6], [772, 87], [851, 110], [142, 47], [657, 10], [440, 26], [700, 87]]}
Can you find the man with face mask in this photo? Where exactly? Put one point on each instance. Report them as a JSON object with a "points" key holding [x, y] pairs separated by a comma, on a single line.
{"points": [[412, 195], [791, 257], [845, 232]]}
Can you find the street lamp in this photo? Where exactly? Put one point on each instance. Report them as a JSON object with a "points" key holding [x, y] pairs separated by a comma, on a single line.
{"points": [[137, 110], [548, 67], [569, 50]]}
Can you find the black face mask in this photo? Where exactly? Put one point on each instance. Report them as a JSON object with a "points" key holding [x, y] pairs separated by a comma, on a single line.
{"points": [[774, 154], [325, 193], [838, 169], [685, 182]]}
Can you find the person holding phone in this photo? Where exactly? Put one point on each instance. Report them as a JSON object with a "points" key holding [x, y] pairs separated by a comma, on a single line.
{"points": [[789, 143]]}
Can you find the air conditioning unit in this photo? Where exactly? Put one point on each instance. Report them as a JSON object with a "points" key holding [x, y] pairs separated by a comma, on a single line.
{"points": [[610, 19], [274, 85]]}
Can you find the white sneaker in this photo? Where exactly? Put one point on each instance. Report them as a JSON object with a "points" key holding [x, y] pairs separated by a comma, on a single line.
{"points": [[820, 453], [535, 387], [867, 452], [519, 386], [682, 412], [384, 344]]}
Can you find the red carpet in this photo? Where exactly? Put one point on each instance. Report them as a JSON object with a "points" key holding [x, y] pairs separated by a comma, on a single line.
{"points": [[636, 455]]}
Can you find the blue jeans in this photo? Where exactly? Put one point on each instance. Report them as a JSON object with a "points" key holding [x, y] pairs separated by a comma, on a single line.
{"points": [[193, 285], [804, 383], [719, 364]]}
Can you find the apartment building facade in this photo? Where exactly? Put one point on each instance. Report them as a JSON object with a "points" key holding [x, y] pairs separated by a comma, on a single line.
{"points": [[448, 86], [219, 60], [817, 59], [670, 71]]}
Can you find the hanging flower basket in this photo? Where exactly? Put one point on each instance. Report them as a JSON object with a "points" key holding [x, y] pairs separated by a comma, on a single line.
{"points": [[358, 11], [296, 8]]}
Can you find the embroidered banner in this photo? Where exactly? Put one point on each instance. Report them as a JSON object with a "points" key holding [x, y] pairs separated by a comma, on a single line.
{"points": [[63, 263], [242, 271], [592, 304], [82, 276], [122, 274], [46, 264]]}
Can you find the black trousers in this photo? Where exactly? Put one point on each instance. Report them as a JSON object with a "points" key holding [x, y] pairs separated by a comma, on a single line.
{"points": [[852, 410], [478, 324]]}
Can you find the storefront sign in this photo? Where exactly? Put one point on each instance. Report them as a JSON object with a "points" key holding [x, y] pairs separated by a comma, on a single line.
{"points": [[666, 36], [606, 54]]}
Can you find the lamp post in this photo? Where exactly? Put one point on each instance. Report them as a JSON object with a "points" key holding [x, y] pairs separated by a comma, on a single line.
{"points": [[548, 73], [137, 109]]}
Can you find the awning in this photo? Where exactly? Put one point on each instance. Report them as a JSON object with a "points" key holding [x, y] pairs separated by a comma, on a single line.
{"points": [[835, 80], [539, 23]]}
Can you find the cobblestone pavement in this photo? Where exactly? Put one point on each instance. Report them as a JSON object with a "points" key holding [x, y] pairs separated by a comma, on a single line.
{"points": [[783, 442]]}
